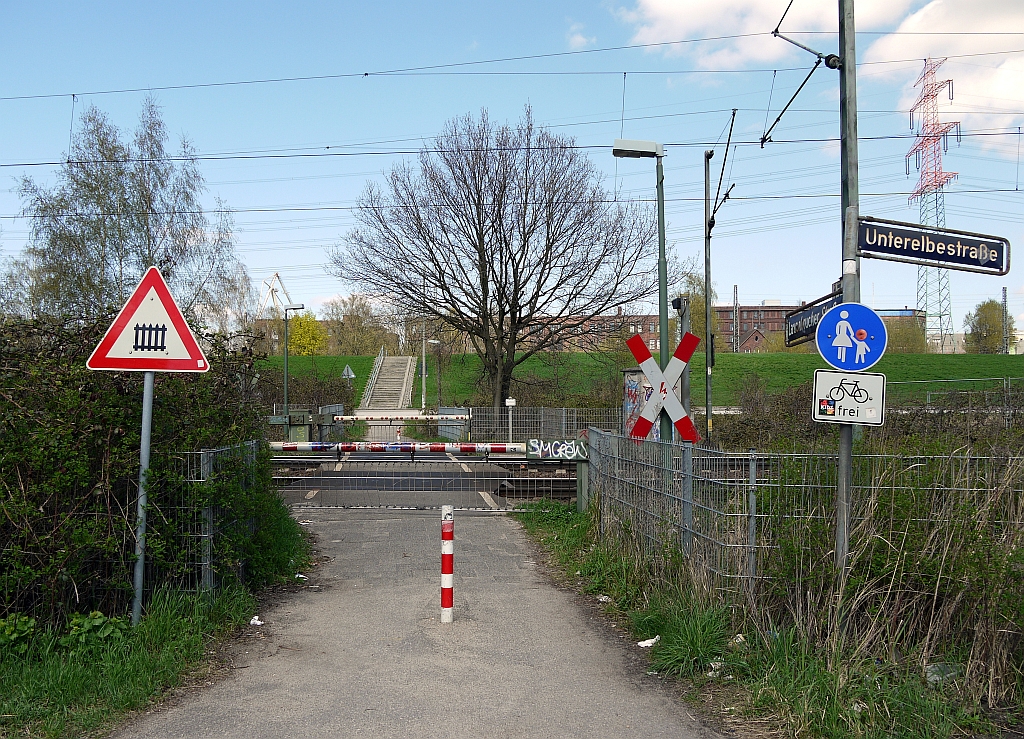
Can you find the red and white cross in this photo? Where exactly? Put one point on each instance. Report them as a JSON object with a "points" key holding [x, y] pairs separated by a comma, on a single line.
{"points": [[662, 382]]}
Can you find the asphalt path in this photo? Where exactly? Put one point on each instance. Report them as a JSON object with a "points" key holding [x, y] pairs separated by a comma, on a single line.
{"points": [[361, 651]]}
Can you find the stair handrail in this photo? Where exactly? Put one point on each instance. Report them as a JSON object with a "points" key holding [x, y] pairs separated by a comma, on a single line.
{"points": [[408, 390], [368, 390]]}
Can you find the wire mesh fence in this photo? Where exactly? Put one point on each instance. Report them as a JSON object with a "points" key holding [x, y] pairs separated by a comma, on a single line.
{"points": [[193, 537], [494, 484], [771, 516], [522, 423]]}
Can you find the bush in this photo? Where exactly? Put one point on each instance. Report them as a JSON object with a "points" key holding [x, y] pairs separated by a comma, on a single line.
{"points": [[69, 446]]}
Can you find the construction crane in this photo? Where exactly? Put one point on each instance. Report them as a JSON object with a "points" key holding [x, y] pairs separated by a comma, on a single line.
{"points": [[271, 287]]}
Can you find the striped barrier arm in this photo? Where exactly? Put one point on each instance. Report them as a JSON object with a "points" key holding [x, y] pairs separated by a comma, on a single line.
{"points": [[394, 446]]}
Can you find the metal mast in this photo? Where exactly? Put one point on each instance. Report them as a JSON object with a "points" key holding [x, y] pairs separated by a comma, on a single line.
{"points": [[735, 318], [932, 136]]}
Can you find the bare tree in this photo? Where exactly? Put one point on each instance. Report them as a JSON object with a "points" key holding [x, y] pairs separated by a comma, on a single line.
{"points": [[356, 326], [119, 207], [503, 233]]}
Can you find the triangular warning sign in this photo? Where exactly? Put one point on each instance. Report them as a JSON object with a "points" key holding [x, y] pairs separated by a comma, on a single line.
{"points": [[149, 334]]}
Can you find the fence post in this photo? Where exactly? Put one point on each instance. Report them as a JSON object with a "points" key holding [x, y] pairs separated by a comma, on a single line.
{"points": [[207, 582], [687, 495], [582, 485], [752, 520], [206, 472]]}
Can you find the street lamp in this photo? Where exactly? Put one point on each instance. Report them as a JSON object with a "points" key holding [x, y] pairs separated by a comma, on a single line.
{"points": [[293, 306], [629, 149], [437, 343]]}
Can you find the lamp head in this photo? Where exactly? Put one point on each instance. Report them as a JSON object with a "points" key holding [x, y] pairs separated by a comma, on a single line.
{"points": [[294, 306], [630, 149]]}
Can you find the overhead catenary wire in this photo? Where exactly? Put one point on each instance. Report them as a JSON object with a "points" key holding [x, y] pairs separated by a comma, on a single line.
{"points": [[329, 208], [398, 152], [446, 69]]}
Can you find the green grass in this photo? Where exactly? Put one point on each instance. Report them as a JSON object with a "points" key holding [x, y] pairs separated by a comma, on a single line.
{"points": [[327, 366], [778, 675], [57, 691], [461, 376]]}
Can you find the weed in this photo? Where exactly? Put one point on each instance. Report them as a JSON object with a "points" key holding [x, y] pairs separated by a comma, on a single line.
{"points": [[56, 690], [810, 690]]}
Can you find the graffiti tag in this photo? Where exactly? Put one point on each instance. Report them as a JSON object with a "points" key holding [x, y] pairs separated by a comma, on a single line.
{"points": [[566, 449]]}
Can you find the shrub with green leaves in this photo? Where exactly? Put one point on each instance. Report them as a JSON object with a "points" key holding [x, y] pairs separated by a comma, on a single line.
{"points": [[15, 633], [91, 630], [69, 451]]}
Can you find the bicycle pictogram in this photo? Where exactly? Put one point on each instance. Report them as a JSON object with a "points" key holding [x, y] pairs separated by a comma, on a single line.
{"points": [[849, 389]]}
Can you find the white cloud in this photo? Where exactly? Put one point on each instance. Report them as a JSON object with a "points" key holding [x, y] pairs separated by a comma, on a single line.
{"points": [[982, 83], [672, 20], [985, 84], [577, 39]]}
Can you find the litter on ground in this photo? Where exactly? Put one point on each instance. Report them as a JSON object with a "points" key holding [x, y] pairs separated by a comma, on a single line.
{"points": [[255, 621], [649, 642]]}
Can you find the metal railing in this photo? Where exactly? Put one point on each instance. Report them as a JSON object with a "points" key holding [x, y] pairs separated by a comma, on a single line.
{"points": [[368, 390]]}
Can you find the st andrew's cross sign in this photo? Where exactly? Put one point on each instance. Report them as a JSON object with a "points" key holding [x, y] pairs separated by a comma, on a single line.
{"points": [[662, 382]]}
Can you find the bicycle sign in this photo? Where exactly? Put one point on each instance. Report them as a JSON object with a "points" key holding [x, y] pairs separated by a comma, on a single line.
{"points": [[849, 397]]}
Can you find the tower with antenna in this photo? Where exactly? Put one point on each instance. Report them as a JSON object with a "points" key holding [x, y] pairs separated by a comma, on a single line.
{"points": [[932, 139]]}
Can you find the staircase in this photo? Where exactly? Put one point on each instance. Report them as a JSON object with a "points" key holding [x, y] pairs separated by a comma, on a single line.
{"points": [[392, 388]]}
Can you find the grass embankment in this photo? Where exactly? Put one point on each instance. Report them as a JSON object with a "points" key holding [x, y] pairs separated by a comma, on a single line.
{"points": [[327, 367], [461, 375], [778, 676], [77, 683]]}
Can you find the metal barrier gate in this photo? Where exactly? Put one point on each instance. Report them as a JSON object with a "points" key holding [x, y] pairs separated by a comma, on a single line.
{"points": [[392, 479]]}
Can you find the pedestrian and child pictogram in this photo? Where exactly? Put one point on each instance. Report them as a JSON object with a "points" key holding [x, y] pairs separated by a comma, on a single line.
{"points": [[149, 334], [851, 337], [662, 382]]}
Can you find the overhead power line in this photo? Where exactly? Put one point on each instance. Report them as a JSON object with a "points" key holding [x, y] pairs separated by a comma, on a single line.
{"points": [[383, 72], [328, 208], [400, 152], [454, 68]]}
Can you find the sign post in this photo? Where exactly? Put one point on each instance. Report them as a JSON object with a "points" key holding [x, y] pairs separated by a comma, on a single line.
{"points": [[851, 337], [149, 335]]}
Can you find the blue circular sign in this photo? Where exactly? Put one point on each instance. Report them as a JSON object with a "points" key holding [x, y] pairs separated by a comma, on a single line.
{"points": [[851, 337]]}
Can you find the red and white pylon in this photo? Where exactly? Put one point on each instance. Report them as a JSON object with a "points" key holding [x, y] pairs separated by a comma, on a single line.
{"points": [[447, 563]]}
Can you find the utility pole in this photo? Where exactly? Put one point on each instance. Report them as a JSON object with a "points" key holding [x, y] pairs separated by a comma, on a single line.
{"points": [[735, 318], [1006, 326], [851, 262], [423, 366], [709, 338]]}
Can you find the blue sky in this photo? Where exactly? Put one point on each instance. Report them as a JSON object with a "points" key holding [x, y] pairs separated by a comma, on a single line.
{"points": [[779, 238]]}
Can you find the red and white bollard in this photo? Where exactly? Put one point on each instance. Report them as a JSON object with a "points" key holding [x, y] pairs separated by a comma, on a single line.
{"points": [[447, 563]]}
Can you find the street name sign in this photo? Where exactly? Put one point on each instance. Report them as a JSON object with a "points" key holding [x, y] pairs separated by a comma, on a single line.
{"points": [[149, 334], [851, 337], [849, 397], [662, 382], [934, 247], [802, 322]]}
